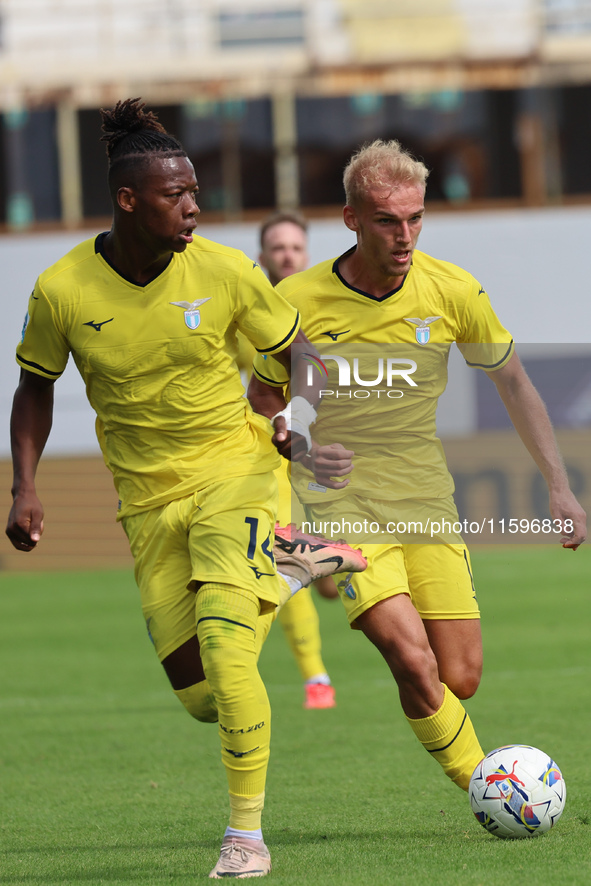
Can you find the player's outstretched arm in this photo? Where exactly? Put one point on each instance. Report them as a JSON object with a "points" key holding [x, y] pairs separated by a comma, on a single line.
{"points": [[530, 419], [32, 413]]}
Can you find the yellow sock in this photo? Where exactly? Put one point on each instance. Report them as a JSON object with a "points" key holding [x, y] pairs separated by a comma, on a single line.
{"points": [[265, 621], [263, 627], [449, 736], [301, 625], [284, 592], [246, 812], [226, 628]]}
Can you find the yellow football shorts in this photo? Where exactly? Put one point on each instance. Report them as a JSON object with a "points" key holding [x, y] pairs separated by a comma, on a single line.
{"points": [[436, 576], [223, 533]]}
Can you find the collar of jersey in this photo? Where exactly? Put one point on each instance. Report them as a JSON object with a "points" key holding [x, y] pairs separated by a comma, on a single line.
{"points": [[335, 270], [98, 248]]}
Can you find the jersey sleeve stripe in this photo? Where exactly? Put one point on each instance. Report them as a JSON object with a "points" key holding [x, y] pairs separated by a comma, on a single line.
{"points": [[268, 381], [494, 365], [284, 341], [24, 363]]}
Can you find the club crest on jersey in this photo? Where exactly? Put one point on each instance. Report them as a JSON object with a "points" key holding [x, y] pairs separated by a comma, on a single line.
{"points": [[423, 328], [192, 313]]}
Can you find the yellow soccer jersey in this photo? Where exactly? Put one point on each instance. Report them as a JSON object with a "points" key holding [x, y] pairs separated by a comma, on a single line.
{"points": [[386, 364], [159, 363]]}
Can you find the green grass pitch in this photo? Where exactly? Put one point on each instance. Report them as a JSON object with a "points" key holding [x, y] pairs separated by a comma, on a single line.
{"points": [[104, 779]]}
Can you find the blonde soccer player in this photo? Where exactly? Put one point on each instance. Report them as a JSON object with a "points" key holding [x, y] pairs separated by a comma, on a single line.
{"points": [[384, 300]]}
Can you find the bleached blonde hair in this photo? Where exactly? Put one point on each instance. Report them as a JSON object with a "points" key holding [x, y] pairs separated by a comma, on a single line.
{"points": [[381, 164]]}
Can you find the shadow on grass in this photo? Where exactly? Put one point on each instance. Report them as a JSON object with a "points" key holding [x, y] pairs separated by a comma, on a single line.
{"points": [[114, 847], [79, 864]]}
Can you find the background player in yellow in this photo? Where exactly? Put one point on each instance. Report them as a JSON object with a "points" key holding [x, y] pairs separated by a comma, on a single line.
{"points": [[415, 602], [150, 314], [284, 251]]}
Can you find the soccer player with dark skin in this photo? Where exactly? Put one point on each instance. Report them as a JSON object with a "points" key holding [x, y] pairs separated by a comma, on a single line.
{"points": [[415, 602], [192, 464]]}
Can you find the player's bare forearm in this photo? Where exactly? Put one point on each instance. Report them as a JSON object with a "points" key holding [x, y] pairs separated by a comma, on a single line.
{"points": [[326, 462], [30, 425], [269, 400], [296, 359], [265, 399], [530, 419], [292, 422]]}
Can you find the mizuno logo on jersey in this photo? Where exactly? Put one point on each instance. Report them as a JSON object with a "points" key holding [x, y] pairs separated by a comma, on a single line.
{"points": [[192, 315], [258, 574], [422, 332], [335, 335], [98, 326]]}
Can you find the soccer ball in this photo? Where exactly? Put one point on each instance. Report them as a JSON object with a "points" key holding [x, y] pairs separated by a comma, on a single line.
{"points": [[517, 791]]}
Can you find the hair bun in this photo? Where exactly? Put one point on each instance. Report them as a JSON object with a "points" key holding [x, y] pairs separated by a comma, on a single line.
{"points": [[126, 118]]}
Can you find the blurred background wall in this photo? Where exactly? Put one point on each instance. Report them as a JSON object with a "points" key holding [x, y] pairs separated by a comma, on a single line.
{"points": [[270, 98]]}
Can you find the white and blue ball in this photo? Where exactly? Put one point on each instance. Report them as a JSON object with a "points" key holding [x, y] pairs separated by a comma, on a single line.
{"points": [[517, 791]]}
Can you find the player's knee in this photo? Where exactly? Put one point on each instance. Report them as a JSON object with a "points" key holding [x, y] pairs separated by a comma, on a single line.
{"points": [[465, 683], [420, 666], [198, 700], [462, 674], [413, 665]]}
